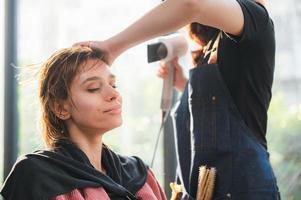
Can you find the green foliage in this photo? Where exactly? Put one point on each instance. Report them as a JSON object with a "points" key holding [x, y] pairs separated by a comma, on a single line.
{"points": [[284, 136]]}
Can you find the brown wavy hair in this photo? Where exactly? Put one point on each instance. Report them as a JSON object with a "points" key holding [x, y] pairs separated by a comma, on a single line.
{"points": [[55, 77], [201, 34]]}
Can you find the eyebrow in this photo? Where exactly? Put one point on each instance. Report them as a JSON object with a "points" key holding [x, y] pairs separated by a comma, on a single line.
{"points": [[93, 78]]}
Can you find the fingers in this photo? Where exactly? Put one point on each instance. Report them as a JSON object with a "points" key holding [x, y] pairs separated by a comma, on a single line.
{"points": [[163, 66], [85, 43], [90, 44], [163, 71]]}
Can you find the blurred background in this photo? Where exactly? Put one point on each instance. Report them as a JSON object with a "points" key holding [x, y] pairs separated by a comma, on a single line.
{"points": [[44, 26]]}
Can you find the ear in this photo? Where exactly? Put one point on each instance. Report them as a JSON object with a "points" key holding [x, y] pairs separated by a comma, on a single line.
{"points": [[61, 110]]}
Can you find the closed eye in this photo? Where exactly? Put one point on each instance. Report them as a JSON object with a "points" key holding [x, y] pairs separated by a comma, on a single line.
{"points": [[93, 89]]}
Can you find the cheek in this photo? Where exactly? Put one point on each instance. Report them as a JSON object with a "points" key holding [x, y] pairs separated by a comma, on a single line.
{"points": [[85, 105]]}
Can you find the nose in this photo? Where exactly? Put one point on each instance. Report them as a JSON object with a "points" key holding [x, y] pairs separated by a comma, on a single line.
{"points": [[111, 93]]}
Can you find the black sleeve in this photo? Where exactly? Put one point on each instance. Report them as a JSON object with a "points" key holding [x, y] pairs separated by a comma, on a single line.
{"points": [[256, 19]]}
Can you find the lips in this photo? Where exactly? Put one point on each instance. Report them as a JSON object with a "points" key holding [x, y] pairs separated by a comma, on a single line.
{"points": [[114, 110]]}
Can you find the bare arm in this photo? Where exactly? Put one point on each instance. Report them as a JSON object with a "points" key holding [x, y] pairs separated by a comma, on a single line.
{"points": [[171, 15]]}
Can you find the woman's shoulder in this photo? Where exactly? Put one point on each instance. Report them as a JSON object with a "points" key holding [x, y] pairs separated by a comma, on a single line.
{"points": [[29, 161], [24, 163], [133, 159], [124, 160], [133, 162], [26, 167], [23, 173]]}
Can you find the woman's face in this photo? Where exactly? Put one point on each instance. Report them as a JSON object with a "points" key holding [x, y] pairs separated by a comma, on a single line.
{"points": [[95, 105]]}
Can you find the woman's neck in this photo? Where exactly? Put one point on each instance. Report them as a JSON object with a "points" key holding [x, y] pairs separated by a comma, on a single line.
{"points": [[90, 144], [93, 150]]}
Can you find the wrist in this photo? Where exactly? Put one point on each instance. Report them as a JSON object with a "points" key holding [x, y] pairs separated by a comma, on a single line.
{"points": [[117, 45], [182, 84]]}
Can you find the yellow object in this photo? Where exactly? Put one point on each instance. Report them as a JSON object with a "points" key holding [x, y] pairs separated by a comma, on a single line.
{"points": [[177, 191]]}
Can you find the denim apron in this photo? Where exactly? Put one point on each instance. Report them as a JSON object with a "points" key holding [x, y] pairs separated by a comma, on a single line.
{"points": [[209, 130]]}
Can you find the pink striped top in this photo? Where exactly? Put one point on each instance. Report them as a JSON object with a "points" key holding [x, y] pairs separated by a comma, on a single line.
{"points": [[150, 191]]}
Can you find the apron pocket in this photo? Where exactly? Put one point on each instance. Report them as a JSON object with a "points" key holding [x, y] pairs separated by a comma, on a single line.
{"points": [[223, 164], [210, 123]]}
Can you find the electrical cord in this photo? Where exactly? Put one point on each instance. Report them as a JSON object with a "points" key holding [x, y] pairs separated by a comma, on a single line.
{"points": [[165, 115]]}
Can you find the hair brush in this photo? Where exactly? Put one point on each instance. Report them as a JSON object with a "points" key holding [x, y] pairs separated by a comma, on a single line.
{"points": [[206, 183]]}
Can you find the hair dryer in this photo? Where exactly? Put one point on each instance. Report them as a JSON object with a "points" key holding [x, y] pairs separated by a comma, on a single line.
{"points": [[165, 50]]}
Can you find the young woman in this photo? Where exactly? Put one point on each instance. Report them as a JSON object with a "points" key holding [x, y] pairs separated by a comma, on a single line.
{"points": [[79, 104], [222, 116]]}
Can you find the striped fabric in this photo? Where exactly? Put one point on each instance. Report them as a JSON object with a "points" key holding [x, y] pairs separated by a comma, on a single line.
{"points": [[150, 191]]}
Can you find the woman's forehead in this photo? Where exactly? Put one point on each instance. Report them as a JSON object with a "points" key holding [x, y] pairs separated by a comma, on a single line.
{"points": [[94, 68]]}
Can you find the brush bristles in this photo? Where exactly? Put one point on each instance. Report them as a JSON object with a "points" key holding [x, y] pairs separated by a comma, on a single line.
{"points": [[210, 185], [206, 183]]}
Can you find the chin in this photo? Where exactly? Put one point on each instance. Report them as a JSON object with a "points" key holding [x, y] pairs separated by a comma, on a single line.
{"points": [[115, 124], [109, 125]]}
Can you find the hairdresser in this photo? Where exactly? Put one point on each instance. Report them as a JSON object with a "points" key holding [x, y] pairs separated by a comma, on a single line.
{"points": [[221, 120]]}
